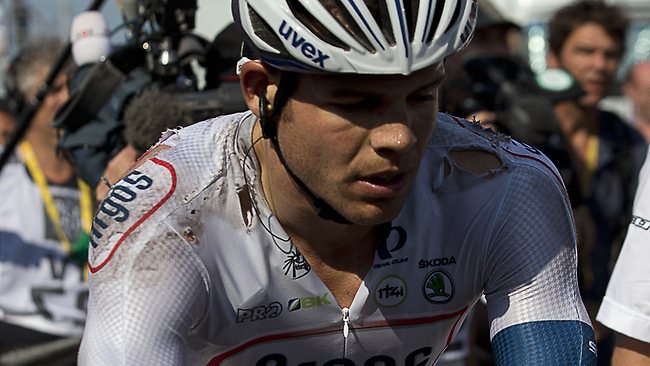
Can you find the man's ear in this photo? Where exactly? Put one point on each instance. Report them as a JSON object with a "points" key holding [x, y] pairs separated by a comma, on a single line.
{"points": [[256, 78]]}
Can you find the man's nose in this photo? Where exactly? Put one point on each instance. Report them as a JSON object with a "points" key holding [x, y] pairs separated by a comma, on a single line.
{"points": [[395, 134]]}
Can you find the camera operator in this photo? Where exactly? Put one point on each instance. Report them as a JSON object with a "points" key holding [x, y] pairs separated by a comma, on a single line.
{"points": [[493, 84], [146, 117], [162, 56]]}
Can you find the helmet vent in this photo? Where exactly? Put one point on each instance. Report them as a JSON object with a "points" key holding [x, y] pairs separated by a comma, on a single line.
{"points": [[411, 9], [264, 31], [315, 26], [345, 20], [454, 17], [379, 11], [437, 15]]}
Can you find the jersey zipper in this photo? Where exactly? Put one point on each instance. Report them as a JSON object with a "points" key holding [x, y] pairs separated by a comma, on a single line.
{"points": [[346, 329]]}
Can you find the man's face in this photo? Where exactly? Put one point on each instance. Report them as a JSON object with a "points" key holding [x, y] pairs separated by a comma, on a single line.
{"points": [[356, 141], [57, 96], [592, 57]]}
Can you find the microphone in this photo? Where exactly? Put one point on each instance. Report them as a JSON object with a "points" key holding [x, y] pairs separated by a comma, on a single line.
{"points": [[89, 36]]}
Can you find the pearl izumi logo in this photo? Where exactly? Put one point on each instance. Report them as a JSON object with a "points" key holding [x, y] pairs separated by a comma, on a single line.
{"points": [[391, 291], [438, 287], [387, 249]]}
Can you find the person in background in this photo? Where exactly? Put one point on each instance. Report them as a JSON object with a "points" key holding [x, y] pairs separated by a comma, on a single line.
{"points": [[626, 306], [637, 89], [598, 154], [7, 122], [146, 117], [45, 219], [468, 93]]}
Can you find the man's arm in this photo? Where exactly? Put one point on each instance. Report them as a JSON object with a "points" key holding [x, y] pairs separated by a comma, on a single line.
{"points": [[629, 351], [147, 285], [536, 314]]}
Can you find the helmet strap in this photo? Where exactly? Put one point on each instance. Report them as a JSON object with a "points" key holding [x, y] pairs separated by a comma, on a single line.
{"points": [[270, 131]]}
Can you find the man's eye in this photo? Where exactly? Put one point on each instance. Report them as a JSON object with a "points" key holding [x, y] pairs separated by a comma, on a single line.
{"points": [[421, 98], [350, 105]]}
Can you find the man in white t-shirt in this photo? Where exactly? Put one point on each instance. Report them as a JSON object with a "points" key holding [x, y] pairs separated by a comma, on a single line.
{"points": [[626, 306]]}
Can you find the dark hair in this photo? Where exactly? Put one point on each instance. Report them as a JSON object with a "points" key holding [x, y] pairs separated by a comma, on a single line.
{"points": [[148, 114], [22, 74], [568, 19]]}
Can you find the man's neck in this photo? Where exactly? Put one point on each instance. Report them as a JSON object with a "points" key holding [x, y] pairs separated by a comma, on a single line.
{"points": [[293, 208]]}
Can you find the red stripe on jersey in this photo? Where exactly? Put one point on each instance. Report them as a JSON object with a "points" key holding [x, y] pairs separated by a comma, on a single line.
{"points": [[216, 361], [172, 171]]}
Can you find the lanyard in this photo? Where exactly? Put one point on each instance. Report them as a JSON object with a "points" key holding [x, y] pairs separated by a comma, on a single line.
{"points": [[85, 200], [591, 162]]}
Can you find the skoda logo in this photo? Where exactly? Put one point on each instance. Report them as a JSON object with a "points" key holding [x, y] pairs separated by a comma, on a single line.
{"points": [[438, 287]]}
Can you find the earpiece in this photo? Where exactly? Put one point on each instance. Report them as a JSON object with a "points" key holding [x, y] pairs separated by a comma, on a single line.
{"points": [[269, 128]]}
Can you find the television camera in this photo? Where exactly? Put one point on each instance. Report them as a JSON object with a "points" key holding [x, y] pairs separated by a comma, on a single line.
{"points": [[162, 54]]}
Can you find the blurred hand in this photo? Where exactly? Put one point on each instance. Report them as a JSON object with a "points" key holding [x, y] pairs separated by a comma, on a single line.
{"points": [[117, 168], [487, 119]]}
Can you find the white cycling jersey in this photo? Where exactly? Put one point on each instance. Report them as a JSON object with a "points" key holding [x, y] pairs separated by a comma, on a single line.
{"points": [[190, 267]]}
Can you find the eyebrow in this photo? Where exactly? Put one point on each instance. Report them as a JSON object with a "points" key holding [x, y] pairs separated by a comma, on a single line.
{"points": [[343, 92]]}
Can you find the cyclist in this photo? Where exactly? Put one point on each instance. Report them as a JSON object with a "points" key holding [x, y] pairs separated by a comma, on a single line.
{"points": [[340, 221]]}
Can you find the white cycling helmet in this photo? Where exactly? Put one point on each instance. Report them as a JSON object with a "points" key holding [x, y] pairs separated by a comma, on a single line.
{"points": [[355, 36]]}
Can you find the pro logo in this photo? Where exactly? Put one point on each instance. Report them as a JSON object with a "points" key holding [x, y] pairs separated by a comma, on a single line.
{"points": [[438, 287], [273, 310]]}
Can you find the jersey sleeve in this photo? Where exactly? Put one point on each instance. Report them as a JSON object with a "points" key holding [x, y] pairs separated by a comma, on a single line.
{"points": [[626, 306], [147, 286], [534, 307]]}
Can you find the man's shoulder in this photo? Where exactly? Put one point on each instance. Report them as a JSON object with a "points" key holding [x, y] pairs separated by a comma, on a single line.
{"points": [[182, 165], [458, 135]]}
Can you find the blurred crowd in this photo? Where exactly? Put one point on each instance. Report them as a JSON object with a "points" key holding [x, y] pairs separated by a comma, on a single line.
{"points": [[53, 180]]}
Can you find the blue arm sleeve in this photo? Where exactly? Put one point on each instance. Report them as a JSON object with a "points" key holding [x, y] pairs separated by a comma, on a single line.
{"points": [[556, 342]]}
